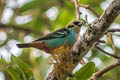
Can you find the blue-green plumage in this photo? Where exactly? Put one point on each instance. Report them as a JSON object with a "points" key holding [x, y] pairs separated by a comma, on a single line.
{"points": [[67, 40]]}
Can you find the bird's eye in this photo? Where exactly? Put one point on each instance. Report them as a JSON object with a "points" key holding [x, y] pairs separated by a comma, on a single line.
{"points": [[70, 26]]}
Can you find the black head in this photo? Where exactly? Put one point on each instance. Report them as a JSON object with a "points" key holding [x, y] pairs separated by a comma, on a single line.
{"points": [[74, 24]]}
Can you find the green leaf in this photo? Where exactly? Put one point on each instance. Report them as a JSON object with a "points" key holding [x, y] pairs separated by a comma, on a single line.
{"points": [[14, 74], [3, 61], [109, 39], [37, 4], [85, 72], [30, 5], [38, 23], [21, 73], [24, 67], [71, 78]]}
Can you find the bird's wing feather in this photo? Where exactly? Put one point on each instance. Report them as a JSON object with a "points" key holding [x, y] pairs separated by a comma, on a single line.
{"points": [[61, 33]]}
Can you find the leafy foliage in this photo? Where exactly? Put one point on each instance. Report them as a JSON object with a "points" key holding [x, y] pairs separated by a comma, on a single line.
{"points": [[85, 72], [14, 73], [20, 70]]}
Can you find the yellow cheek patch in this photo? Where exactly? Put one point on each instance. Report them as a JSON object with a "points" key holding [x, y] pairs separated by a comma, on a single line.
{"points": [[62, 61]]}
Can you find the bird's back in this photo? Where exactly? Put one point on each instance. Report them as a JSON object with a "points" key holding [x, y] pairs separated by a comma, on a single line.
{"points": [[56, 42]]}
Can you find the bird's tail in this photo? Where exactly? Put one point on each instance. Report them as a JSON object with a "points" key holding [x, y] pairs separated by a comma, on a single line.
{"points": [[23, 45]]}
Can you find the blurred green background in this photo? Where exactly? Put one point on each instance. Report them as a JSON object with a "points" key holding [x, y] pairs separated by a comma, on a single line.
{"points": [[22, 21]]}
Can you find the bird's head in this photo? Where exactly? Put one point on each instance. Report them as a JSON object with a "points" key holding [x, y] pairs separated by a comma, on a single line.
{"points": [[74, 25]]}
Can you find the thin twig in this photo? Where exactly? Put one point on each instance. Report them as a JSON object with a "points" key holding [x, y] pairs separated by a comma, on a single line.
{"points": [[19, 28], [82, 62], [112, 42], [78, 18], [107, 53], [114, 30], [77, 9], [2, 5], [100, 73], [90, 8], [101, 41]]}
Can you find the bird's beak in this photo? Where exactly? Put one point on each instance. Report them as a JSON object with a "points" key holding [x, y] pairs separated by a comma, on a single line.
{"points": [[80, 24]]}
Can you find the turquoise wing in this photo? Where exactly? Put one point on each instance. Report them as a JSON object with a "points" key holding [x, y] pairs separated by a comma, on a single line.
{"points": [[61, 33], [59, 41]]}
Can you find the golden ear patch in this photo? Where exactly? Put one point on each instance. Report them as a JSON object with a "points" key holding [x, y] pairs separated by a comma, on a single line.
{"points": [[70, 26]]}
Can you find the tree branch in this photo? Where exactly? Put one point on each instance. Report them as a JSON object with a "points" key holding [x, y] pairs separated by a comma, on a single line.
{"points": [[114, 30], [109, 34], [77, 9], [90, 8], [115, 56], [19, 28], [95, 32], [100, 73]]}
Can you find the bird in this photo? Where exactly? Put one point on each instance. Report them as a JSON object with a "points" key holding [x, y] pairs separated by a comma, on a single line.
{"points": [[64, 36]]}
